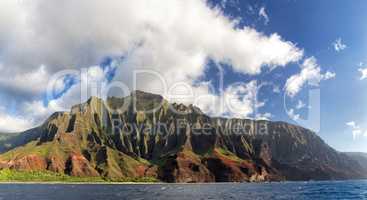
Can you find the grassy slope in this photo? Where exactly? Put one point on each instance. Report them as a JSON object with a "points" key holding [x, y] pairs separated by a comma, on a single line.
{"points": [[8, 175], [47, 176], [38, 176], [30, 148]]}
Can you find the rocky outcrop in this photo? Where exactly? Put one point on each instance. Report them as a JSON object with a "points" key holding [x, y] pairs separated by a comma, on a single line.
{"points": [[185, 167], [29, 162], [78, 165], [143, 135], [359, 157], [56, 164]]}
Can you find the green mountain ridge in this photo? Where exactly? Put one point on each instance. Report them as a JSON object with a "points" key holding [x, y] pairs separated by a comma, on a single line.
{"points": [[94, 140]]}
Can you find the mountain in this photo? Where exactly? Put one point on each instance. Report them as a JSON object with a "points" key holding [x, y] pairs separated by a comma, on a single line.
{"points": [[143, 135], [359, 157], [11, 140]]}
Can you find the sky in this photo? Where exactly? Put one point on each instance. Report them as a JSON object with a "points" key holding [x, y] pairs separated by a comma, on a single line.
{"points": [[303, 62]]}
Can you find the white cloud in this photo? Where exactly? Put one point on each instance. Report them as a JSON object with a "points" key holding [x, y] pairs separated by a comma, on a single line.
{"points": [[265, 116], [276, 89], [172, 37], [238, 100], [356, 130], [37, 111], [90, 83], [310, 73], [9, 123], [92, 30], [33, 113], [328, 75], [33, 82], [300, 105], [241, 99], [363, 73], [13, 123], [264, 15], [294, 116], [339, 45], [352, 124]]}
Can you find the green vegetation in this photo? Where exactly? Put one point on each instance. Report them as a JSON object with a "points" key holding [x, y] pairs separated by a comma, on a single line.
{"points": [[7, 175], [228, 154], [42, 176], [30, 148], [205, 153]]}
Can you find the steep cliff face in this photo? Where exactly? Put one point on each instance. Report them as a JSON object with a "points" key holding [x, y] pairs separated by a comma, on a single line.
{"points": [[144, 135], [359, 157], [299, 154]]}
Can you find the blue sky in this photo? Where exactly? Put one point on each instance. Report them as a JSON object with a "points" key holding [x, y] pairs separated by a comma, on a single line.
{"points": [[189, 42], [315, 26]]}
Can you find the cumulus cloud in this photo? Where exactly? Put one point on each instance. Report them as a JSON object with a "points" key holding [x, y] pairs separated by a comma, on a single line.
{"points": [[293, 115], [328, 75], [238, 100], [356, 130], [10, 123], [264, 15], [363, 73], [93, 29], [310, 73], [28, 83], [339, 45], [242, 99], [32, 113], [170, 37], [90, 83], [13, 123]]}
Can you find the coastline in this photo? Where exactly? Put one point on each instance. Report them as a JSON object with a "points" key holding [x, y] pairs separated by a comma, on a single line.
{"points": [[75, 183], [158, 183]]}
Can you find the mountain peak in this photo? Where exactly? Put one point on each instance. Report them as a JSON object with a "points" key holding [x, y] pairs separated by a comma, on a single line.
{"points": [[138, 94], [94, 99]]}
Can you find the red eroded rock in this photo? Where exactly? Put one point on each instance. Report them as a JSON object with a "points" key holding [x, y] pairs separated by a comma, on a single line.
{"points": [[30, 162], [78, 165], [56, 164], [141, 169], [151, 171], [185, 168], [3, 164]]}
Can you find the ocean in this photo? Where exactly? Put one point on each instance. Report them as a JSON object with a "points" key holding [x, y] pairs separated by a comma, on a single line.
{"points": [[282, 190]]}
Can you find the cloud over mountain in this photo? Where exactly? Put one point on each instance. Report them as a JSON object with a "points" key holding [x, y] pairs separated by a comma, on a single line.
{"points": [[173, 38]]}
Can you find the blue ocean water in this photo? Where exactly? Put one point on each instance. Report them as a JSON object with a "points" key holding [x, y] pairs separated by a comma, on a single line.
{"points": [[284, 190]]}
